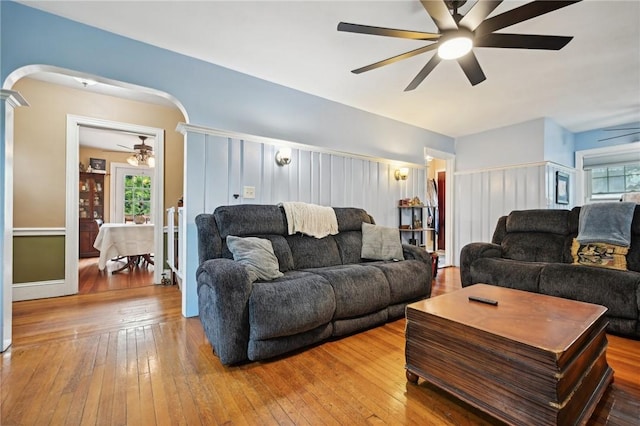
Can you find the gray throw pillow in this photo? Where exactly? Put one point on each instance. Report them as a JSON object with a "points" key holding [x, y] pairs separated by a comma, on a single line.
{"points": [[381, 243], [256, 254]]}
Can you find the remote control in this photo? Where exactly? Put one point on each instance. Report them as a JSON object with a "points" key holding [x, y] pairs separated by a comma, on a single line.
{"points": [[483, 300]]}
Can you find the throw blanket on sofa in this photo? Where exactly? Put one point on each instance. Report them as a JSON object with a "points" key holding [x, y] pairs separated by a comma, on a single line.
{"points": [[606, 223], [310, 219]]}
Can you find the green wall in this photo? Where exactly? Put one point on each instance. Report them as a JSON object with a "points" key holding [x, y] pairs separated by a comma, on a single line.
{"points": [[38, 258]]}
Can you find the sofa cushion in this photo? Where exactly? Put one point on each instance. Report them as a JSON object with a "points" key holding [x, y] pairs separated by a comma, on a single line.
{"points": [[292, 304], [255, 254], [359, 289], [548, 221], [350, 218], [350, 246], [507, 273], [617, 290], [408, 280], [381, 243], [310, 252], [250, 219], [534, 247]]}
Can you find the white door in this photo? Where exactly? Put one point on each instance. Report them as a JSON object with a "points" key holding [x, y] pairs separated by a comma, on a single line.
{"points": [[132, 193]]}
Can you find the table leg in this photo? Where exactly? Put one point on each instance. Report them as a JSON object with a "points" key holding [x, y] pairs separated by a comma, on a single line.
{"points": [[131, 262], [147, 258]]}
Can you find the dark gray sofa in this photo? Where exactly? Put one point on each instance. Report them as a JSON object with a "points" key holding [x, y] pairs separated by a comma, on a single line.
{"points": [[327, 290], [531, 250]]}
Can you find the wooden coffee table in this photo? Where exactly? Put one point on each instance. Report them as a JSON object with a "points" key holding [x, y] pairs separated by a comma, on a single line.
{"points": [[532, 359]]}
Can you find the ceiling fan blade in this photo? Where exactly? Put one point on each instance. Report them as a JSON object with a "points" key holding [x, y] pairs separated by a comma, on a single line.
{"points": [[424, 72], [619, 136], [520, 14], [395, 58], [523, 41], [387, 32], [440, 14], [471, 67], [478, 13]]}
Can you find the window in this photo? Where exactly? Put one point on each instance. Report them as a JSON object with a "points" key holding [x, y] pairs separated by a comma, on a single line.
{"points": [[137, 196], [613, 181]]}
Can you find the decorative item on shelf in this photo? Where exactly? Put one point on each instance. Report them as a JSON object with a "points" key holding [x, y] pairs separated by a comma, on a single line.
{"points": [[402, 173], [138, 219], [404, 202], [82, 167], [417, 223], [98, 165], [283, 156], [415, 202]]}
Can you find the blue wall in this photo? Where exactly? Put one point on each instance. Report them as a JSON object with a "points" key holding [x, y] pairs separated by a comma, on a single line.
{"points": [[212, 95], [559, 144], [590, 139]]}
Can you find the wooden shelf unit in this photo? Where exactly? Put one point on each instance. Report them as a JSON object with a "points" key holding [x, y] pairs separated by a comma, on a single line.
{"points": [[417, 213], [90, 211]]}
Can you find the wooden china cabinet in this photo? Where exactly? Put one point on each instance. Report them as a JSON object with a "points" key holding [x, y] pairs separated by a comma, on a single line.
{"points": [[90, 211]]}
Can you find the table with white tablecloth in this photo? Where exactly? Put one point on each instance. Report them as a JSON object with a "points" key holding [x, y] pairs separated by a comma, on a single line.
{"points": [[124, 240]]}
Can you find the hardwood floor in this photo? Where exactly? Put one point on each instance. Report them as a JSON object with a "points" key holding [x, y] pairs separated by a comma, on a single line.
{"points": [[129, 357], [92, 280]]}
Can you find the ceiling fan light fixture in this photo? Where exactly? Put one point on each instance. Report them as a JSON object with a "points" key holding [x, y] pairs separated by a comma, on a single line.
{"points": [[133, 160], [455, 45]]}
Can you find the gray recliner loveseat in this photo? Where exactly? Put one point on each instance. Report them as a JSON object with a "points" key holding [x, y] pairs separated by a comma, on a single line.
{"points": [[531, 251], [326, 289]]}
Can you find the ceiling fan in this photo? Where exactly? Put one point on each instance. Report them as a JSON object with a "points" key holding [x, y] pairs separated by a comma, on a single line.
{"points": [[636, 131], [459, 34], [142, 154]]}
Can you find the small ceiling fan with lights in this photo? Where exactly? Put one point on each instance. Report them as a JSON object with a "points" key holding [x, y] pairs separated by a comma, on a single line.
{"points": [[142, 154], [459, 34]]}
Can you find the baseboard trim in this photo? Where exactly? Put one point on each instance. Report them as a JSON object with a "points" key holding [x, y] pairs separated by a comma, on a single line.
{"points": [[38, 290]]}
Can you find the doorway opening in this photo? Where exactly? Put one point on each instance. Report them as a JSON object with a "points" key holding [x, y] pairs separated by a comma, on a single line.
{"points": [[440, 166], [105, 272]]}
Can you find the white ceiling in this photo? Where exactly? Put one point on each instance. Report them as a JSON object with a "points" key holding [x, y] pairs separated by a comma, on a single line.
{"points": [[593, 82], [110, 140]]}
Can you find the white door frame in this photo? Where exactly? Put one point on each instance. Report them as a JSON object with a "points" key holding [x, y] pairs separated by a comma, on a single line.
{"points": [[71, 218], [449, 169]]}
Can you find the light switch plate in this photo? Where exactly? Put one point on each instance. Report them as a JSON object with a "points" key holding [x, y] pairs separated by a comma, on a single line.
{"points": [[249, 192]]}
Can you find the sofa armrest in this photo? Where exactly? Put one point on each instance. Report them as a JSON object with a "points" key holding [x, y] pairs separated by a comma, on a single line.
{"points": [[470, 253], [223, 294], [411, 252]]}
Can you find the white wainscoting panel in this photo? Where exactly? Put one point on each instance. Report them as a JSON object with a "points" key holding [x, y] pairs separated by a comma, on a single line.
{"points": [[483, 196], [220, 164]]}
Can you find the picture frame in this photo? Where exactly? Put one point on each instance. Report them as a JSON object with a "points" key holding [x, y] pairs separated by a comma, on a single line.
{"points": [[562, 188], [98, 164]]}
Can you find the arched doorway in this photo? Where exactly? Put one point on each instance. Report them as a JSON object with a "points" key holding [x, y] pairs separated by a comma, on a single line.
{"points": [[73, 122]]}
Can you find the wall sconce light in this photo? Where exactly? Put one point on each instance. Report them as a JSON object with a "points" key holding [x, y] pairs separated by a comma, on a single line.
{"points": [[283, 156], [402, 173]]}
